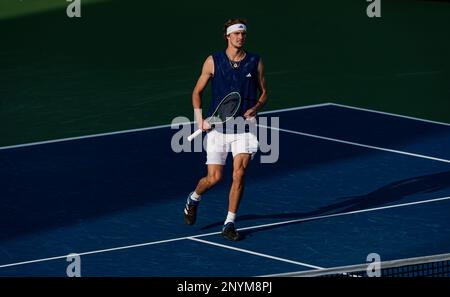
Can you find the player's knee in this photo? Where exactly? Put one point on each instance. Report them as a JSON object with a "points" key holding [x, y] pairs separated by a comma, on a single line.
{"points": [[214, 179], [238, 175]]}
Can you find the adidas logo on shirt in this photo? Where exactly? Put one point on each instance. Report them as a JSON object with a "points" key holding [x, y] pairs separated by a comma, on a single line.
{"points": [[249, 75]]}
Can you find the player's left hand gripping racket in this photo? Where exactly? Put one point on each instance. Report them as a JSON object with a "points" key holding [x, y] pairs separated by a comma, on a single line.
{"points": [[225, 111]]}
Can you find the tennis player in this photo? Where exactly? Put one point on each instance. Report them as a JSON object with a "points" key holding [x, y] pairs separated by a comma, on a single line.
{"points": [[231, 70]]}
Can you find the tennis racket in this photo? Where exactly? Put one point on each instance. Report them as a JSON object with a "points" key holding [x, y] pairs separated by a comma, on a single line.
{"points": [[225, 111]]}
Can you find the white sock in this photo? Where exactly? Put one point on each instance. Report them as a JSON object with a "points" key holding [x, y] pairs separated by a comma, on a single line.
{"points": [[195, 196], [230, 218]]}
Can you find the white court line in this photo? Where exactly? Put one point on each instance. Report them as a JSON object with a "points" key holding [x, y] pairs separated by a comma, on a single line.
{"points": [[357, 144], [215, 233], [103, 250], [88, 136], [255, 253], [390, 114], [143, 129], [295, 108]]}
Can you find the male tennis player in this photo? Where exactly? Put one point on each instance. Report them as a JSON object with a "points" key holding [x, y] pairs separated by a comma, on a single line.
{"points": [[233, 69]]}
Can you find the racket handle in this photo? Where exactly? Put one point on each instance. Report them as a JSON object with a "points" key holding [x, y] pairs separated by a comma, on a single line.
{"points": [[195, 134]]}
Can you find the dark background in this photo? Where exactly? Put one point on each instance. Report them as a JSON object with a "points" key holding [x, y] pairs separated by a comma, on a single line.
{"points": [[132, 64]]}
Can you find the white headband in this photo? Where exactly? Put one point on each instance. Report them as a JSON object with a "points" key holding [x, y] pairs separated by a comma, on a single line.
{"points": [[236, 27]]}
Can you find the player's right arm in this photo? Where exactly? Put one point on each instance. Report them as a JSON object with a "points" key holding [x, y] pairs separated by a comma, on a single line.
{"points": [[207, 73]]}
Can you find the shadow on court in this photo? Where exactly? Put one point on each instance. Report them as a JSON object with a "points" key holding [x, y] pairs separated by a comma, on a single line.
{"points": [[393, 192]]}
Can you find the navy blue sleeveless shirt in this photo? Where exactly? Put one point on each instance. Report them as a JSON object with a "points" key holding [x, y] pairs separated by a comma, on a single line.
{"points": [[243, 79]]}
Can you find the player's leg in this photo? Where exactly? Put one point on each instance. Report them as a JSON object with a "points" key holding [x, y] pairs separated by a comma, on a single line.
{"points": [[209, 181], [243, 147], [216, 154], [240, 164], [205, 183]]}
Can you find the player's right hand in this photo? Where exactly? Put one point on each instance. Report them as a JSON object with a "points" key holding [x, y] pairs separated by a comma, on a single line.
{"points": [[204, 125]]}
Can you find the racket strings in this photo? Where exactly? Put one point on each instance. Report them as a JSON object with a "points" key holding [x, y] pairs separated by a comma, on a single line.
{"points": [[228, 109]]}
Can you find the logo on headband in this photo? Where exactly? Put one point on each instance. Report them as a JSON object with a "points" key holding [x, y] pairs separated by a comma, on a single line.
{"points": [[236, 27]]}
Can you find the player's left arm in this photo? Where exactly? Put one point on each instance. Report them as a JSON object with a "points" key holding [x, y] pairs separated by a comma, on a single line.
{"points": [[262, 92]]}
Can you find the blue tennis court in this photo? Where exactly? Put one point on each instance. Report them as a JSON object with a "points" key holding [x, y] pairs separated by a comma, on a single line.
{"points": [[348, 182]]}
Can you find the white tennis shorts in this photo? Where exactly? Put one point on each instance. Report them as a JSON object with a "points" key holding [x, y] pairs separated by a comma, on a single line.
{"points": [[218, 145]]}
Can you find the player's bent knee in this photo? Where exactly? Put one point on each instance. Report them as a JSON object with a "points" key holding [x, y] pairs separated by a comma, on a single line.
{"points": [[214, 179]]}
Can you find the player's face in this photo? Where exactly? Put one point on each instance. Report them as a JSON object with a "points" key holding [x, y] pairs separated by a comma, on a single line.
{"points": [[237, 38]]}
